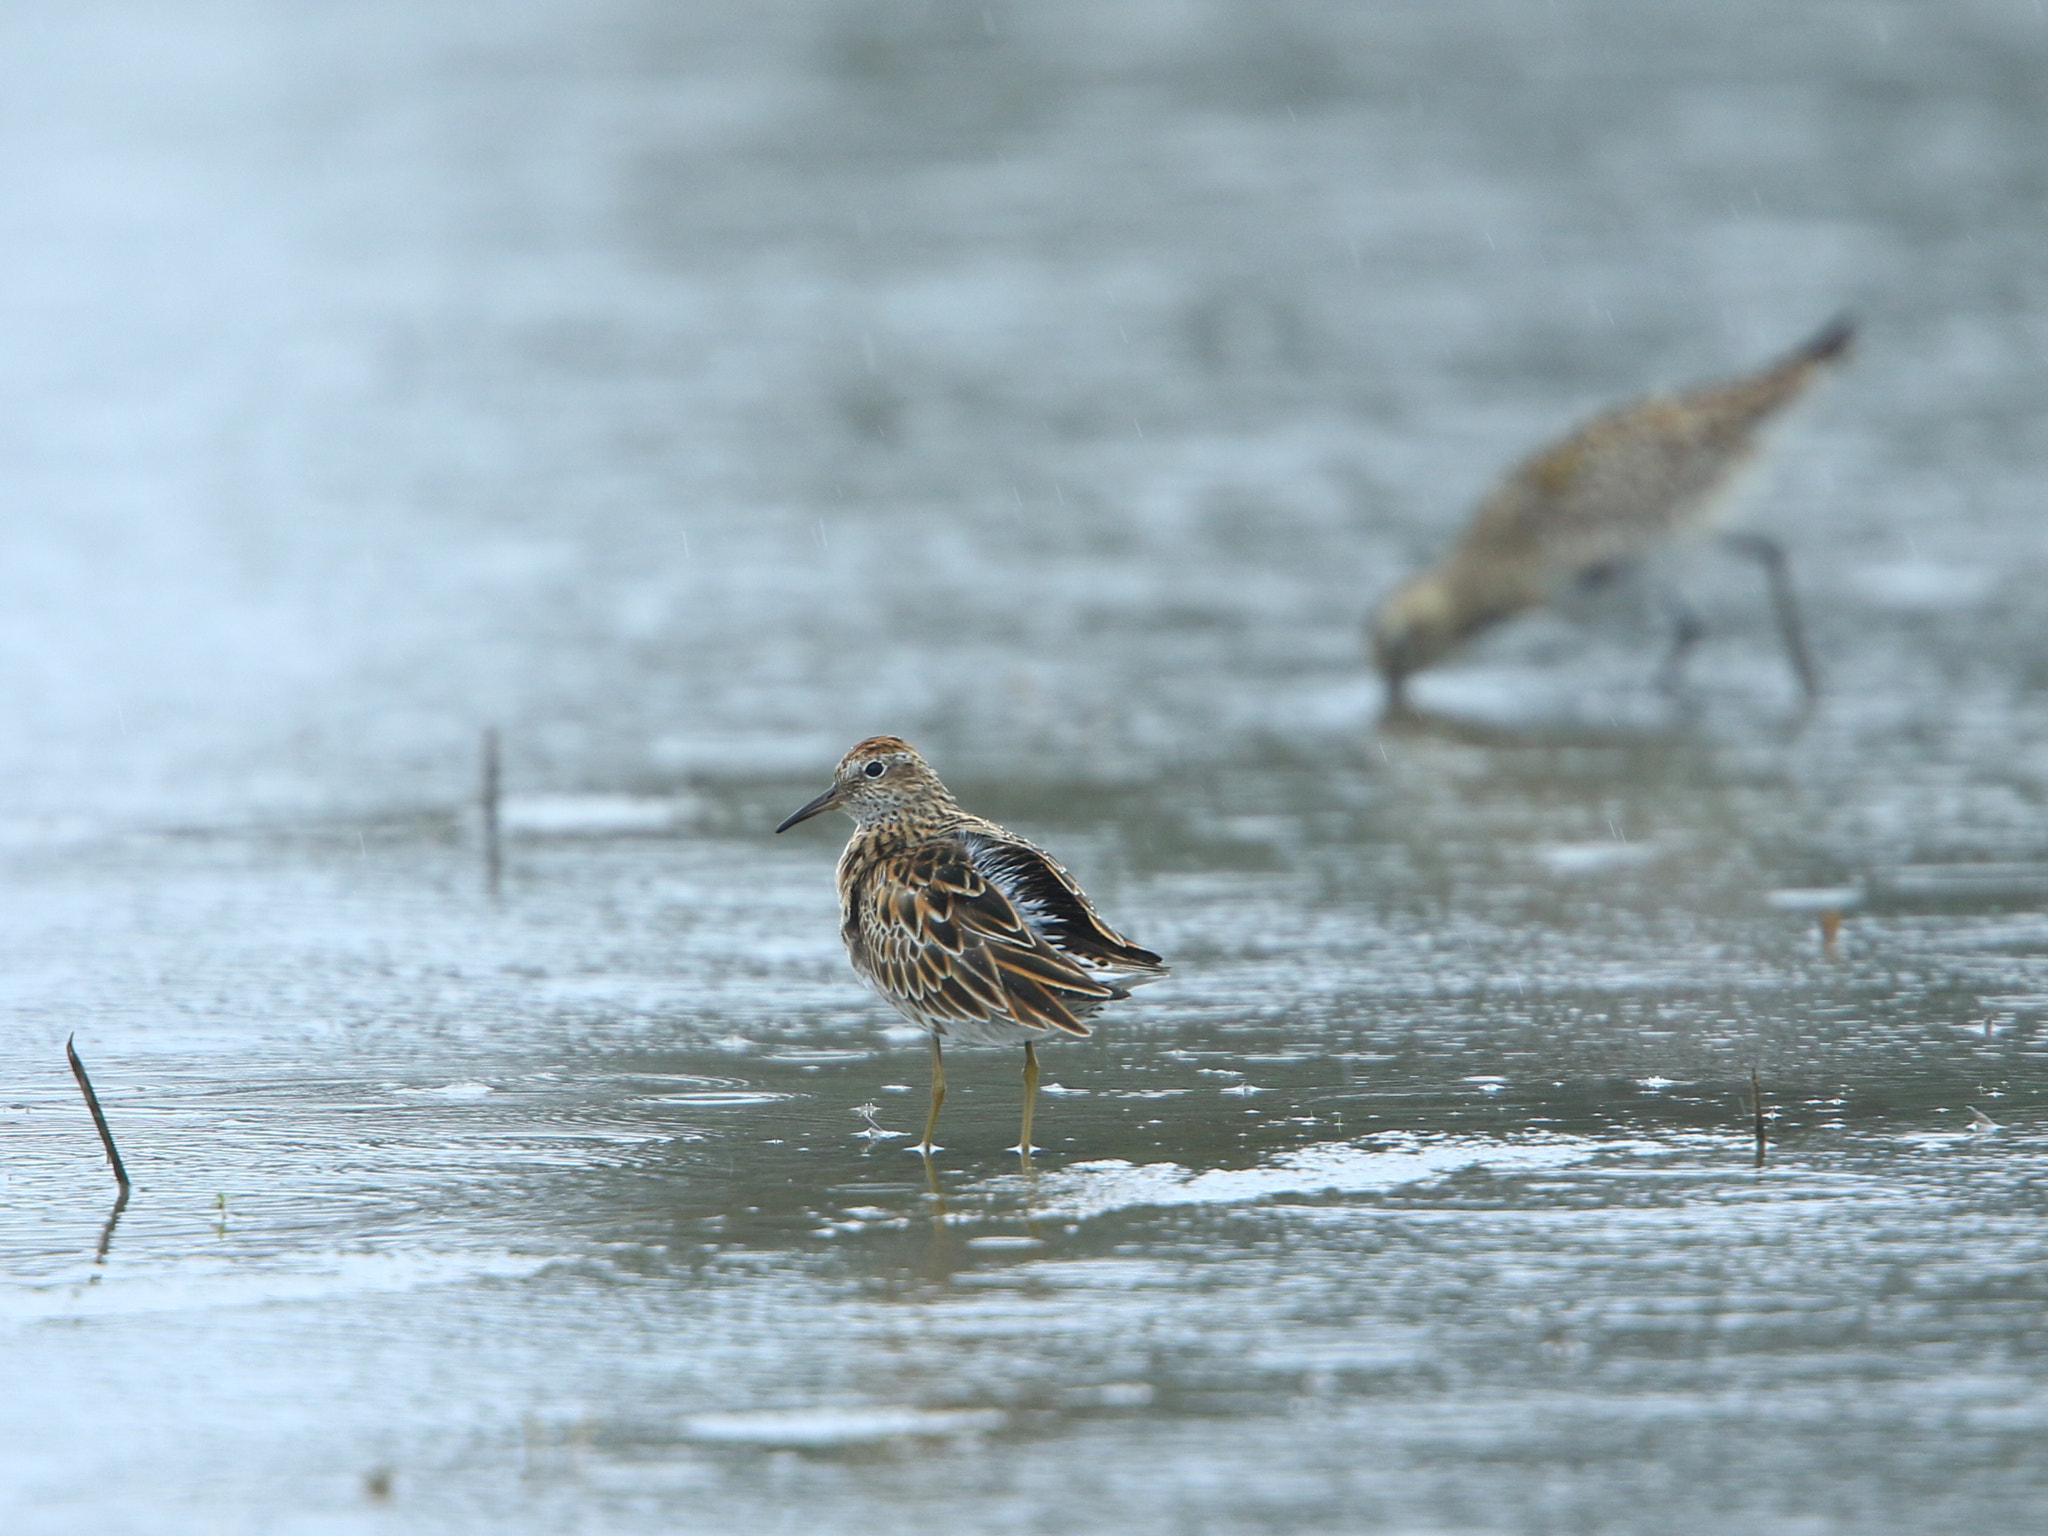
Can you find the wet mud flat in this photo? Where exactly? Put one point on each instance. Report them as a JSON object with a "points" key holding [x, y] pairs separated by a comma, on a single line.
{"points": [[563, 1212], [687, 395]]}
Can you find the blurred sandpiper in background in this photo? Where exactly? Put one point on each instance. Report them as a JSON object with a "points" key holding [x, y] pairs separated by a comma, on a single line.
{"points": [[1632, 490], [686, 391]]}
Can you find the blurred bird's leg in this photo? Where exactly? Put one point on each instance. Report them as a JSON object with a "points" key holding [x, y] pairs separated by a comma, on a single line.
{"points": [[1395, 706], [1687, 630], [931, 1121], [1030, 1101], [1770, 555]]}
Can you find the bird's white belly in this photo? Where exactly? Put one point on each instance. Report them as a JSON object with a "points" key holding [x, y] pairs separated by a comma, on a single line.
{"points": [[981, 1031]]}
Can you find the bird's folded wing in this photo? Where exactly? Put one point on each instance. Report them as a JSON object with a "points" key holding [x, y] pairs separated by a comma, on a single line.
{"points": [[939, 934], [1057, 909]]}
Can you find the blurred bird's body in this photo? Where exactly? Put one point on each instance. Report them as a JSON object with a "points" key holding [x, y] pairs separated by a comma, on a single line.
{"points": [[1603, 500], [973, 934]]}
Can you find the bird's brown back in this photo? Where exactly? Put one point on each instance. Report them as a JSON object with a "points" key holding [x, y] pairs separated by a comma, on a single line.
{"points": [[1625, 481], [965, 927]]}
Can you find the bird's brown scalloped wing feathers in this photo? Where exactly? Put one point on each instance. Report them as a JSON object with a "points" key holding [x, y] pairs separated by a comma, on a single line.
{"points": [[937, 933]]}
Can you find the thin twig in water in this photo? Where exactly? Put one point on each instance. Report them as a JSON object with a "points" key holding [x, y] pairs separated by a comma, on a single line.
{"points": [[99, 1119], [488, 797], [1756, 1104]]}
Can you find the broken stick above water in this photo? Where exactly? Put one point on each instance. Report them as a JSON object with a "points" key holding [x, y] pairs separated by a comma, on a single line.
{"points": [[99, 1118]]}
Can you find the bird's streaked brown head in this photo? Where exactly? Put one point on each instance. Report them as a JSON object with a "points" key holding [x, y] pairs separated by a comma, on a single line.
{"points": [[880, 778]]}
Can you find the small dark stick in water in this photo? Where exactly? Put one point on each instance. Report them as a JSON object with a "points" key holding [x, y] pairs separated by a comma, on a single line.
{"points": [[1599, 502], [1756, 1104], [99, 1119], [487, 799]]}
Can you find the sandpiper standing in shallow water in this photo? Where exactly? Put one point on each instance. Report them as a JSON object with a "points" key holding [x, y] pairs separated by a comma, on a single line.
{"points": [[1596, 504], [974, 934]]}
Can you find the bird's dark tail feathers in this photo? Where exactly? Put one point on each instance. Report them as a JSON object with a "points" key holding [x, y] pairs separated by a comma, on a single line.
{"points": [[1757, 396], [1828, 343]]}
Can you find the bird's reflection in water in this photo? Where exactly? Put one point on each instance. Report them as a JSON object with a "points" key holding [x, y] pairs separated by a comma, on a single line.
{"points": [[1408, 721], [1679, 729]]}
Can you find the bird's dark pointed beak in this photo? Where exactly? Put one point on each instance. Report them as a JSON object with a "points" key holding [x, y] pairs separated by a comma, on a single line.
{"points": [[824, 802]]}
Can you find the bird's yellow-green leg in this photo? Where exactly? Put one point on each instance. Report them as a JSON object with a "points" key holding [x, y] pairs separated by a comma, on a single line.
{"points": [[931, 1121], [1030, 1100]]}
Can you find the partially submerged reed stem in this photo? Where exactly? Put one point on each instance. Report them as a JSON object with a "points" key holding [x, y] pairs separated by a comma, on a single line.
{"points": [[1756, 1105], [99, 1118]]}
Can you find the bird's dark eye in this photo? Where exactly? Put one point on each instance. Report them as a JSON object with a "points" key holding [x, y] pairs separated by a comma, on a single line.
{"points": [[875, 770]]}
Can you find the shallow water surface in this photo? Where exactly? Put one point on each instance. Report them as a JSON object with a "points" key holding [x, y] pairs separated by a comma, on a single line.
{"points": [[690, 391]]}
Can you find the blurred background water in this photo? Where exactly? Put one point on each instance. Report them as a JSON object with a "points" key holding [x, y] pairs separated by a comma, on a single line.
{"points": [[691, 390]]}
